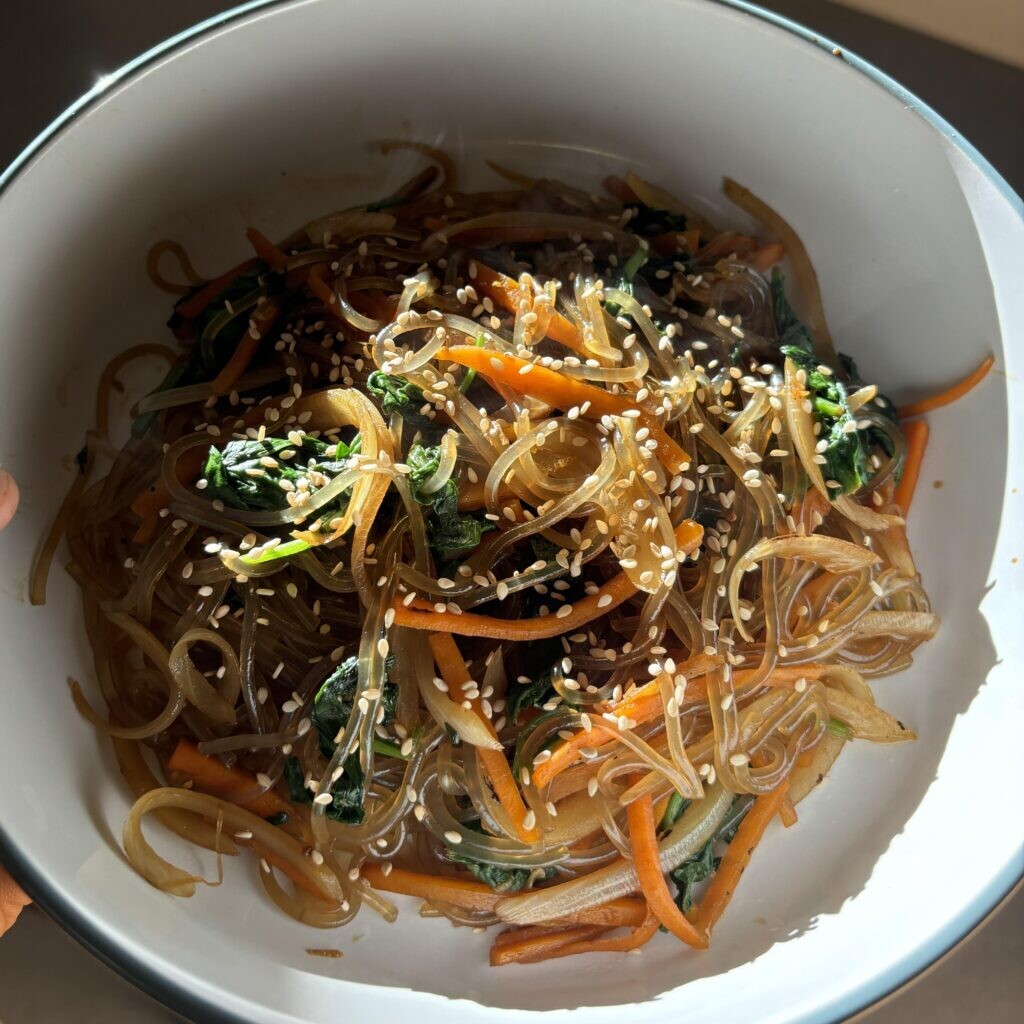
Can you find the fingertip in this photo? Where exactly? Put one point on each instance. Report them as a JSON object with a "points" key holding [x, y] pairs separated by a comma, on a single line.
{"points": [[8, 498]]}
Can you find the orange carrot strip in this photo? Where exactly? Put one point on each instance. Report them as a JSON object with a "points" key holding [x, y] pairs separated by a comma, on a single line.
{"points": [[511, 936], [620, 190], [787, 812], [643, 841], [638, 937], [644, 704], [456, 675], [266, 250], [374, 303], [540, 945], [562, 392], [916, 433], [623, 912], [195, 304], [767, 256], [958, 390], [619, 588], [155, 497], [319, 286], [146, 530], [504, 291], [692, 240], [737, 857], [235, 784], [443, 888], [259, 324]]}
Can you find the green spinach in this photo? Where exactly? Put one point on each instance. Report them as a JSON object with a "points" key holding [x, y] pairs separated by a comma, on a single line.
{"points": [[501, 878], [244, 476], [347, 792], [396, 394], [650, 221], [448, 530], [704, 863], [332, 706], [788, 325], [217, 331], [529, 695], [846, 452]]}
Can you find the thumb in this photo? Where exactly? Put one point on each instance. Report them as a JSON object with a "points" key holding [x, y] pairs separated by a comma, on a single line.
{"points": [[12, 899], [8, 498]]}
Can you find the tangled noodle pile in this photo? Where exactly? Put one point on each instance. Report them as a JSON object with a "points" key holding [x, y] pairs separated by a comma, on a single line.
{"points": [[507, 549]]}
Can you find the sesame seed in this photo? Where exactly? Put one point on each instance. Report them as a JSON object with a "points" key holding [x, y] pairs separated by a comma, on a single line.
{"points": [[453, 837]]}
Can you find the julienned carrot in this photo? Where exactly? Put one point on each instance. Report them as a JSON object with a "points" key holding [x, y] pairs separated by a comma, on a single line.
{"points": [[195, 304], [618, 589], [443, 888], [644, 704], [767, 256], [787, 812], [563, 392], [540, 944], [454, 672], [623, 912], [951, 394], [266, 250], [643, 841], [916, 432], [620, 190], [417, 616], [214, 777], [155, 497], [504, 291], [259, 324], [737, 857], [374, 303], [322, 290], [636, 938]]}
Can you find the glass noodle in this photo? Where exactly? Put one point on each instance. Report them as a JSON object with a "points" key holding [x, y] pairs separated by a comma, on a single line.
{"points": [[467, 534]]}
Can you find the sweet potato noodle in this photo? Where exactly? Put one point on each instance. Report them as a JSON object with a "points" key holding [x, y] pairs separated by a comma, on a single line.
{"points": [[509, 549]]}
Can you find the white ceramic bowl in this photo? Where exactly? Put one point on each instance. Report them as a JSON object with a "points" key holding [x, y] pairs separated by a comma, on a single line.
{"points": [[261, 117]]}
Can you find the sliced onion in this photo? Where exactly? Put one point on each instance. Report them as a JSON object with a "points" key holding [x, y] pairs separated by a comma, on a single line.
{"points": [[693, 829]]}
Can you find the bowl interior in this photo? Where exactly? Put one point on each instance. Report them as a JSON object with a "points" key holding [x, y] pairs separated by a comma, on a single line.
{"points": [[267, 122]]}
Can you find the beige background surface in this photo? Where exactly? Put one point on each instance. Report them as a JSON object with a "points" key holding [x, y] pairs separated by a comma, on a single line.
{"points": [[52, 50], [992, 27]]}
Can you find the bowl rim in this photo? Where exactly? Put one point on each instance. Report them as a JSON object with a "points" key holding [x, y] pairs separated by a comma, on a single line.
{"points": [[193, 1007]]}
